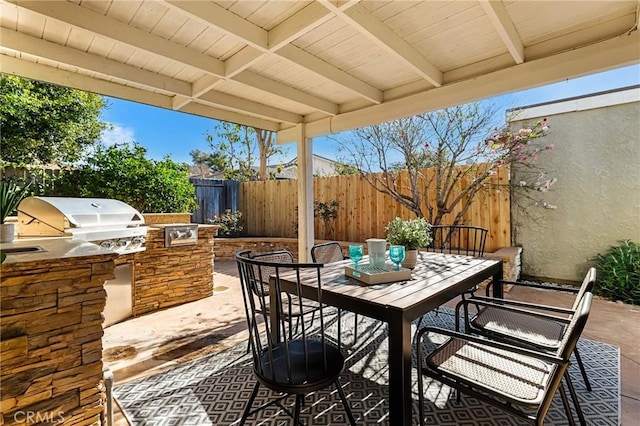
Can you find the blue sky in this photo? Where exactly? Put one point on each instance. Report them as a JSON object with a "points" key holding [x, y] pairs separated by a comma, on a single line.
{"points": [[171, 133]]}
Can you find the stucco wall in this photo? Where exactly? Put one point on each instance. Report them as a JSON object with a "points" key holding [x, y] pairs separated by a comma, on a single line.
{"points": [[596, 159]]}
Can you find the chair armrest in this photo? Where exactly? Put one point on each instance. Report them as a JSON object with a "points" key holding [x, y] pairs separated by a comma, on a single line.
{"points": [[508, 302], [510, 308], [488, 342], [540, 286]]}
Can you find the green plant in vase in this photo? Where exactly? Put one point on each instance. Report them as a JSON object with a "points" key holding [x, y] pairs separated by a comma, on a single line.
{"points": [[413, 234]]}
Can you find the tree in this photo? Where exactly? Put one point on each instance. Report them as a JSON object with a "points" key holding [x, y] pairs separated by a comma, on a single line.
{"points": [[457, 144], [44, 123], [343, 169], [266, 148], [239, 147], [214, 162], [123, 172]]}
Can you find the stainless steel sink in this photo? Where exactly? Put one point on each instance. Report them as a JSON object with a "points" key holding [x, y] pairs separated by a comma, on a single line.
{"points": [[23, 250]]}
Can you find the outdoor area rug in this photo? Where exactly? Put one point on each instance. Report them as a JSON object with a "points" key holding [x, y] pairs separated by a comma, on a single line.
{"points": [[213, 390]]}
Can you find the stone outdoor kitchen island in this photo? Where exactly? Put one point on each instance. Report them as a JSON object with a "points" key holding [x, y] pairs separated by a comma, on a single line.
{"points": [[51, 341], [52, 314]]}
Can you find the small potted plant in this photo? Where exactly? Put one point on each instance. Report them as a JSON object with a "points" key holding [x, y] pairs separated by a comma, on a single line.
{"points": [[10, 196], [412, 234]]}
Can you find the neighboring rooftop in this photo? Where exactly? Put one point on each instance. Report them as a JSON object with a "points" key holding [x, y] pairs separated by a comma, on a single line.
{"points": [[602, 99]]}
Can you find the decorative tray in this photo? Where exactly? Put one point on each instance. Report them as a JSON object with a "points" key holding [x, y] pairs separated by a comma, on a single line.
{"points": [[372, 275]]}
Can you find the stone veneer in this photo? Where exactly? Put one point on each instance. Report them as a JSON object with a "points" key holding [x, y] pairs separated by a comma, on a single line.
{"points": [[511, 261], [169, 276], [226, 248], [51, 340]]}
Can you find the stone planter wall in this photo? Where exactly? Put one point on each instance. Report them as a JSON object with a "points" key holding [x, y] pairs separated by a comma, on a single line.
{"points": [[51, 340], [511, 261], [169, 276], [226, 249]]}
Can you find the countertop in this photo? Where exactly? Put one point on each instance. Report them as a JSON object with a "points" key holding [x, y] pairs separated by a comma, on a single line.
{"points": [[52, 248]]}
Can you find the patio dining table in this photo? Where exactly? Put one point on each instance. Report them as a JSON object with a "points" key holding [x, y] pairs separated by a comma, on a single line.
{"points": [[436, 279]]}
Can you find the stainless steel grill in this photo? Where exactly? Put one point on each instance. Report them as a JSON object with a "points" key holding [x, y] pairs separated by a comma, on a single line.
{"points": [[110, 223]]}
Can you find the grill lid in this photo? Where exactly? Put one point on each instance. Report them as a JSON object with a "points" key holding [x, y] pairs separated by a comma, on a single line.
{"points": [[49, 216]]}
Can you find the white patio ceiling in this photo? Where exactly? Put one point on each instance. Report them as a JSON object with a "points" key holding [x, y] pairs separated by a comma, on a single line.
{"points": [[333, 65]]}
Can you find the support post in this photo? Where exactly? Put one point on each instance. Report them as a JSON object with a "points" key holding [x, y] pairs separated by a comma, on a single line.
{"points": [[306, 235]]}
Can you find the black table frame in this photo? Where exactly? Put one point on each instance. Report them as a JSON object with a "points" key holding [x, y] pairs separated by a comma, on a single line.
{"points": [[437, 279]]}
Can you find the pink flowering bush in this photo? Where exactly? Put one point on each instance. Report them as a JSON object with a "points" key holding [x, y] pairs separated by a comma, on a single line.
{"points": [[517, 149], [230, 223]]}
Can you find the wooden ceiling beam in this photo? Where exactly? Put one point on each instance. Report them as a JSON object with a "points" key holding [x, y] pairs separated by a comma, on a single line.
{"points": [[40, 72], [252, 108], [613, 53], [89, 20], [298, 25], [501, 21], [380, 34], [20, 42], [257, 38], [211, 14], [230, 116], [84, 18], [282, 90], [318, 66]]}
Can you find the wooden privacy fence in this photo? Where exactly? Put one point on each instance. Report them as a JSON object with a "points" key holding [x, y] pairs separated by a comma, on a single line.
{"points": [[214, 196], [269, 209]]}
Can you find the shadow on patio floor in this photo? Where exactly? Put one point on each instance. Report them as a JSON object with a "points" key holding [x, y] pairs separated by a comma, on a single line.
{"points": [[155, 342]]}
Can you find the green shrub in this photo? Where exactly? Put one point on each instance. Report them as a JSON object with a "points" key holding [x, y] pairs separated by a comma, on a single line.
{"points": [[619, 273], [328, 212], [123, 172], [230, 223]]}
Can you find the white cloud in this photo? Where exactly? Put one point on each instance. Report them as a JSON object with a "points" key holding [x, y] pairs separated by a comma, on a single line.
{"points": [[117, 135]]}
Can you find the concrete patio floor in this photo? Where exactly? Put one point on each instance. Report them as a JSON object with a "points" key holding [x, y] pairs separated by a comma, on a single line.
{"points": [[155, 342]]}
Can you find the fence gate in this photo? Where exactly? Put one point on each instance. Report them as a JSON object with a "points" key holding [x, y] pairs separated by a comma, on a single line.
{"points": [[214, 197]]}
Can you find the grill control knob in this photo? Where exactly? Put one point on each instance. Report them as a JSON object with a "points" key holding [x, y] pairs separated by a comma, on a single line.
{"points": [[122, 243], [137, 241], [108, 244]]}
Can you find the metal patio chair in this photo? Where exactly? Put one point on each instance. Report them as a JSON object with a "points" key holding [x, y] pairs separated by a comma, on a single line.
{"points": [[288, 366], [293, 311], [329, 253], [458, 239], [506, 376], [537, 326]]}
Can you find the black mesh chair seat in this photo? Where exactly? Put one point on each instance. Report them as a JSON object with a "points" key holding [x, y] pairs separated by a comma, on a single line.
{"points": [[514, 378]]}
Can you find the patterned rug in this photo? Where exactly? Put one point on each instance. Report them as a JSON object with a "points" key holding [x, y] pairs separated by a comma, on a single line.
{"points": [[213, 390]]}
